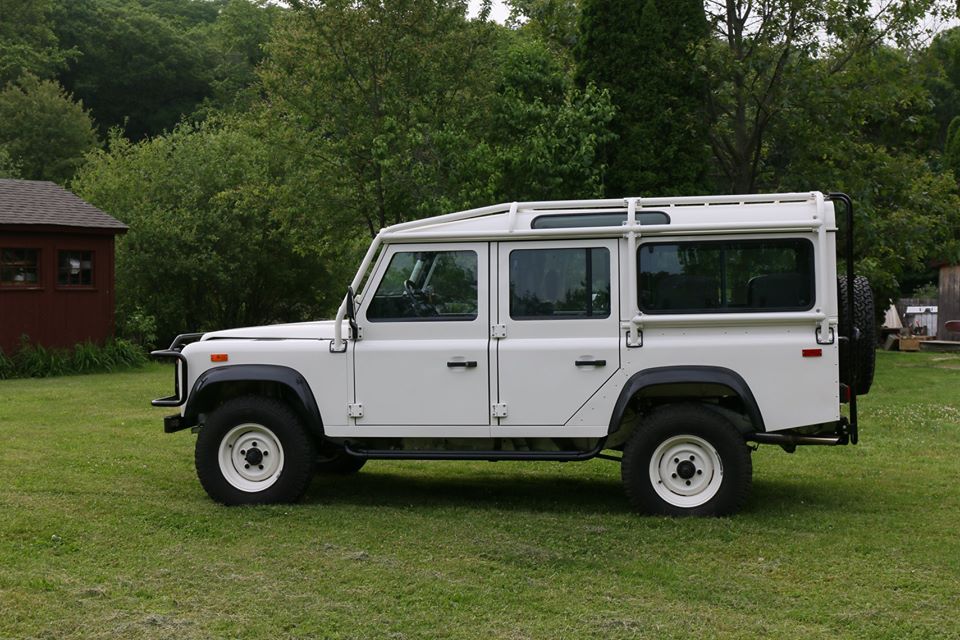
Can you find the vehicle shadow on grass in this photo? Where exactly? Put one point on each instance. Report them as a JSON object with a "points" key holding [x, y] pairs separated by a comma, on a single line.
{"points": [[547, 492], [501, 492], [826, 497]]}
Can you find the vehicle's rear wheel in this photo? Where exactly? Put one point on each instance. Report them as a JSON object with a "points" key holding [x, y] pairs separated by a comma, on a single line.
{"points": [[865, 320], [333, 460], [686, 460], [253, 450]]}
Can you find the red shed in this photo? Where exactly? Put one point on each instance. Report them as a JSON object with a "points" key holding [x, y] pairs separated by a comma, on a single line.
{"points": [[56, 266]]}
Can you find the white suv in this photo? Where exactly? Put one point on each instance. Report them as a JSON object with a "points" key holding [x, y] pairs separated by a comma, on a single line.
{"points": [[669, 334]]}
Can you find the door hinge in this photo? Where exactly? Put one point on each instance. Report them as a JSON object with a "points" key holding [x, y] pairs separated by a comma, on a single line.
{"points": [[499, 410], [498, 331], [359, 335], [355, 410]]}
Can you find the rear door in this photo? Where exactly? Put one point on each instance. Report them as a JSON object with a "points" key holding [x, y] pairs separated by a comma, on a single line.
{"points": [[561, 324]]}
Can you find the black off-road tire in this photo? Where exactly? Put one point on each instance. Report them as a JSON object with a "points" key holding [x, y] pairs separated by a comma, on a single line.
{"points": [[864, 319], [678, 439], [334, 461], [272, 428]]}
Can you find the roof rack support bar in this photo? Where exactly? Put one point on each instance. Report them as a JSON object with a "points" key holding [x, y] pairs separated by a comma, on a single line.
{"points": [[512, 217], [634, 338]]}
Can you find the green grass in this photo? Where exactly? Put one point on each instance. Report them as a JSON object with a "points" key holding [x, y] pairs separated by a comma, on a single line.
{"points": [[106, 533]]}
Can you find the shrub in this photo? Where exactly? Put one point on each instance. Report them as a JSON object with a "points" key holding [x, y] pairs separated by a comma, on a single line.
{"points": [[37, 361]]}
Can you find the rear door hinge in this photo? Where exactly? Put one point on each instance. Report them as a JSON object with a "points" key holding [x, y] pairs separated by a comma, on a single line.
{"points": [[498, 331], [499, 410], [355, 410]]}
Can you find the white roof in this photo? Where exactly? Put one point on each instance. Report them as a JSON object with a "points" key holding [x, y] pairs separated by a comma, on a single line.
{"points": [[688, 215]]}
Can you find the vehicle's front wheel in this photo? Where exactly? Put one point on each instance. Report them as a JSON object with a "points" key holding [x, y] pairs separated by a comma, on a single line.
{"points": [[253, 450], [686, 460]]}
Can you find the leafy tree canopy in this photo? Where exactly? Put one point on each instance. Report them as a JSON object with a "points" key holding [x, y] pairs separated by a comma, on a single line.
{"points": [[43, 132]]}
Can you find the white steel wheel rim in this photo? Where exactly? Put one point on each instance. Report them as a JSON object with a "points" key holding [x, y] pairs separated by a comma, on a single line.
{"points": [[250, 457], [686, 471]]}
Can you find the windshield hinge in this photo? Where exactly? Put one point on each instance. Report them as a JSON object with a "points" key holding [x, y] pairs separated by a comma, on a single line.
{"points": [[355, 410], [498, 331], [499, 410]]}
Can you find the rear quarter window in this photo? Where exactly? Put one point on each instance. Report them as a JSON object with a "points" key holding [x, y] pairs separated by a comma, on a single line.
{"points": [[726, 276]]}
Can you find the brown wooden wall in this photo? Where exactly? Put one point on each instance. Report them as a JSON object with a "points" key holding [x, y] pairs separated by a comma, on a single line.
{"points": [[51, 314], [949, 301]]}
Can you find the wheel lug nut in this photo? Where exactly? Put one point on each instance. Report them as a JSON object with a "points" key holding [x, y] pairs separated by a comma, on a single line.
{"points": [[673, 475], [261, 467], [699, 472], [266, 453], [254, 444], [688, 483], [692, 458], [676, 460], [242, 451], [246, 466]]}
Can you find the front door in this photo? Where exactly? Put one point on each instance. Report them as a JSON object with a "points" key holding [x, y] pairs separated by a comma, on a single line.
{"points": [[562, 339], [423, 356]]}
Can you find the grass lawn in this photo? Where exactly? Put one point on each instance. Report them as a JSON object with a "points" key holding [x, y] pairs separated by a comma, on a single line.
{"points": [[105, 532]]}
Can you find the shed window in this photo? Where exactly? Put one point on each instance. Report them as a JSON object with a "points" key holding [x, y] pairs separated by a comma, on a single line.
{"points": [[75, 269], [19, 267]]}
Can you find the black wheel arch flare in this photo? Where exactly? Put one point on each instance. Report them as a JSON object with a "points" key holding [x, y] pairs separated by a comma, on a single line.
{"points": [[689, 374], [203, 393]]}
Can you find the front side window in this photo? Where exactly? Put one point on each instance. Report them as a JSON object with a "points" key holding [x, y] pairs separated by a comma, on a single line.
{"points": [[19, 267], [427, 285], [726, 276], [559, 283], [75, 268]]}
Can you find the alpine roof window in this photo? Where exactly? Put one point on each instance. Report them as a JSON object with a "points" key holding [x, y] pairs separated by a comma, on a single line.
{"points": [[578, 220]]}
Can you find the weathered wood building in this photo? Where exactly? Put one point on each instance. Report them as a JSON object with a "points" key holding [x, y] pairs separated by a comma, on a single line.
{"points": [[56, 266], [949, 300]]}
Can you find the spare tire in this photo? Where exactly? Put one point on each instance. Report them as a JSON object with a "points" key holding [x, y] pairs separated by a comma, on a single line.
{"points": [[865, 320]]}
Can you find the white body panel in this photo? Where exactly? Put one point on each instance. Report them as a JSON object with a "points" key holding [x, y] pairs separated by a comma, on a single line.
{"points": [[398, 370]]}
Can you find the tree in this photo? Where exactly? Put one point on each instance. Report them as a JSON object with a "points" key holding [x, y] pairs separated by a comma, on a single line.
{"points": [[762, 61], [134, 69], [211, 242], [384, 91], [28, 45], [237, 38], [43, 130], [645, 54]]}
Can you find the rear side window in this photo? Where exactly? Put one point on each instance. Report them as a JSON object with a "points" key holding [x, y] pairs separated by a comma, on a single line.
{"points": [[427, 285], [726, 276], [559, 284]]}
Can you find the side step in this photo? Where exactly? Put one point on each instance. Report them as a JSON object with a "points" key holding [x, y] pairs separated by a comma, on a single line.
{"points": [[492, 456], [792, 440]]}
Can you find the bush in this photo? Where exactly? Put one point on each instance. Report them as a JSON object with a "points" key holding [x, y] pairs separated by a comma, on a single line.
{"points": [[37, 361]]}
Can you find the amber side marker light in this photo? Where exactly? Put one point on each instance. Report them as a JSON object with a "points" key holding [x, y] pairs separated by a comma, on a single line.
{"points": [[219, 357], [812, 353]]}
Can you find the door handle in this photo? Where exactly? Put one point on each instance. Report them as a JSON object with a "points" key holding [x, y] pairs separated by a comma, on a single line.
{"points": [[591, 363], [464, 364]]}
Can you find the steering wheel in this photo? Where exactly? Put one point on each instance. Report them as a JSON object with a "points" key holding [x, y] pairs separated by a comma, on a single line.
{"points": [[418, 301]]}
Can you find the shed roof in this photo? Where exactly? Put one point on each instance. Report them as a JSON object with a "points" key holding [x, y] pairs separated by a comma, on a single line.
{"points": [[34, 202]]}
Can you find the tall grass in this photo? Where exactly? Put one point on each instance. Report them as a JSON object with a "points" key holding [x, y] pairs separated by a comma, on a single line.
{"points": [[37, 361]]}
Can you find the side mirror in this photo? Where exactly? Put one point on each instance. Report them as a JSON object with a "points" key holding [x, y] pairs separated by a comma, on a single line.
{"points": [[352, 315]]}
